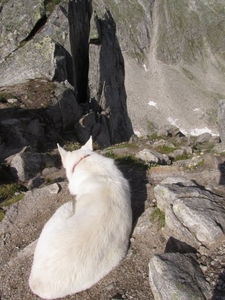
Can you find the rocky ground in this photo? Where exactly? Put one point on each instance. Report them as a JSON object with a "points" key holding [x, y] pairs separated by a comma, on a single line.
{"points": [[24, 220]]}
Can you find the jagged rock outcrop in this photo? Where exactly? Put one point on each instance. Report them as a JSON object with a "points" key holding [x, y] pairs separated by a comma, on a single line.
{"points": [[109, 99], [57, 49], [180, 63], [38, 128]]}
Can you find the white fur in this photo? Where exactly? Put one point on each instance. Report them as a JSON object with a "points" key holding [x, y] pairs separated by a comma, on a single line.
{"points": [[85, 239]]}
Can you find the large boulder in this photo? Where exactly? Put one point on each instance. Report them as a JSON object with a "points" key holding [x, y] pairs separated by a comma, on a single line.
{"points": [[192, 214], [27, 165], [65, 112], [38, 58], [18, 19]]}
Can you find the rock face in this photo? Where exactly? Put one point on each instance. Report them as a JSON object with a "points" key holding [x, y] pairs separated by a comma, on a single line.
{"points": [[172, 60], [110, 100], [55, 47], [18, 21], [180, 76], [39, 58]]}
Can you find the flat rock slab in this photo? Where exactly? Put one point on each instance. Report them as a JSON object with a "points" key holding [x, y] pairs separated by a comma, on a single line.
{"points": [[204, 218], [177, 276], [193, 214]]}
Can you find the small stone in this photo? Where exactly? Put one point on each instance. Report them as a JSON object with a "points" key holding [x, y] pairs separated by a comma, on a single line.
{"points": [[54, 188], [203, 268], [35, 182], [47, 171], [11, 101]]}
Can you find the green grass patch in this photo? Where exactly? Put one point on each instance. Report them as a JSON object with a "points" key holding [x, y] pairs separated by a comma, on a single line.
{"points": [[155, 136], [71, 146], [158, 216], [182, 157], [164, 149], [208, 147], [7, 192], [12, 200], [110, 154], [116, 146]]}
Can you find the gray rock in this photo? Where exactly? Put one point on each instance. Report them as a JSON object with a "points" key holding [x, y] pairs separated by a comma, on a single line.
{"points": [[159, 173], [25, 166], [143, 223], [66, 112], [179, 180], [147, 156], [203, 138], [177, 276], [17, 20], [54, 188], [204, 218], [12, 100], [48, 171], [174, 228], [180, 153], [162, 143], [107, 76], [39, 58], [35, 182], [130, 29], [57, 27], [166, 194], [153, 157], [193, 215], [58, 50]]}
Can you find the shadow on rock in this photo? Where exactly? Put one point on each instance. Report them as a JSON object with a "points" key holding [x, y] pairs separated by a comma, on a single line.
{"points": [[175, 246], [221, 168], [219, 290], [137, 179]]}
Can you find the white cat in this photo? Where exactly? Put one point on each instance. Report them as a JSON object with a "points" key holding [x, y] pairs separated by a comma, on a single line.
{"points": [[85, 239]]}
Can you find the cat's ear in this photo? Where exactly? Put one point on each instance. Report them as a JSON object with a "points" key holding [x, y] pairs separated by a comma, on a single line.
{"points": [[89, 144], [63, 154]]}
